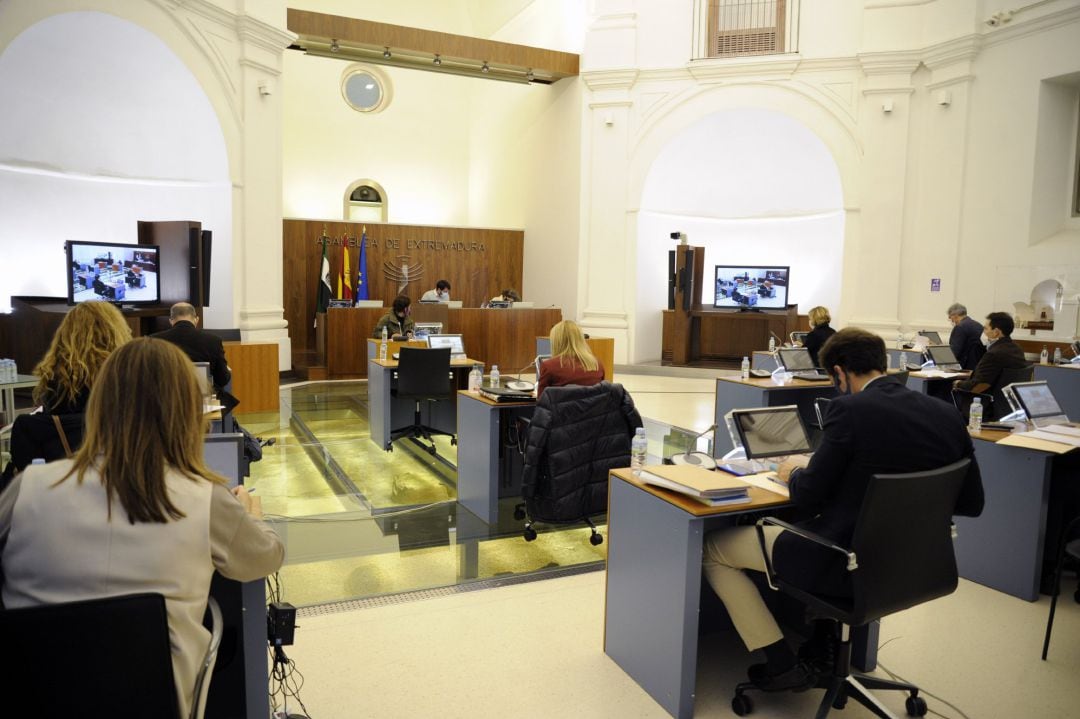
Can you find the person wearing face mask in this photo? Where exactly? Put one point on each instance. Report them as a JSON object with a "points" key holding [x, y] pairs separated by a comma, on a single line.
{"points": [[1001, 354], [964, 338], [441, 293], [874, 427], [399, 325]]}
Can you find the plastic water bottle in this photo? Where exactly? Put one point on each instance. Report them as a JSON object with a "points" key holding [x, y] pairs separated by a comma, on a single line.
{"points": [[476, 379], [772, 344], [382, 346], [903, 361], [976, 415], [639, 449], [899, 340], [494, 377], [1057, 355], [746, 368], [1044, 357]]}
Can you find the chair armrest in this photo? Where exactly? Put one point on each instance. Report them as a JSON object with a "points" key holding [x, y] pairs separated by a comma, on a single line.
{"points": [[770, 574]]}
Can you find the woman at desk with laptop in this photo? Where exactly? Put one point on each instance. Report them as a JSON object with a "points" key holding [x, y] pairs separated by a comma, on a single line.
{"points": [[571, 361]]}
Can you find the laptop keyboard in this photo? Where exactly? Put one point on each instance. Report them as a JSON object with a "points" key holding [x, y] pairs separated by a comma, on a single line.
{"points": [[809, 374]]}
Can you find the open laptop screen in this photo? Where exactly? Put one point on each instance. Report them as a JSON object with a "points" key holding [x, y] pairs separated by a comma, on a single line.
{"points": [[540, 359], [942, 355], [423, 329], [795, 358], [454, 342], [1037, 400], [771, 431], [934, 337]]}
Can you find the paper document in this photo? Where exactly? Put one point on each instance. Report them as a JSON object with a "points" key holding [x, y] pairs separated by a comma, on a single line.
{"points": [[1063, 429], [935, 373], [1049, 436], [762, 481], [694, 481]]}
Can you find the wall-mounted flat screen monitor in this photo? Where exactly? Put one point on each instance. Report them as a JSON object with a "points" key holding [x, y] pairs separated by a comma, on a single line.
{"points": [[112, 272], [744, 287]]}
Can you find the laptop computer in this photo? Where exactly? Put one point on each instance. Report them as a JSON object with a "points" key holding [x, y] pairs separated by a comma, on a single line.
{"points": [[796, 360], [1039, 403], [771, 431], [943, 358], [934, 337], [798, 337], [454, 342]]}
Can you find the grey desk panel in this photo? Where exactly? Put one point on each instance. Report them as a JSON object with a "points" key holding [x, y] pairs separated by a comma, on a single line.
{"points": [[1065, 384], [653, 591], [387, 412], [479, 467], [379, 420], [1003, 548]]}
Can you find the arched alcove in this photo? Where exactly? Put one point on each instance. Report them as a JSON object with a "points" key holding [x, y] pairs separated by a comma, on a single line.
{"points": [[751, 186], [104, 126]]}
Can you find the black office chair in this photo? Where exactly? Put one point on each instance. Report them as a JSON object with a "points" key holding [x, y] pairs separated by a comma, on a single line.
{"points": [[995, 406], [565, 481], [901, 555], [1067, 548], [106, 656], [423, 375]]}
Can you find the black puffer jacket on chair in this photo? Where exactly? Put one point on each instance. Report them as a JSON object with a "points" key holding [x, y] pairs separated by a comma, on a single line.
{"points": [[576, 436]]}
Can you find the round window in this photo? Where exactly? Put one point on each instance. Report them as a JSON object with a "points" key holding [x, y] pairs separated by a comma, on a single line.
{"points": [[364, 90]]}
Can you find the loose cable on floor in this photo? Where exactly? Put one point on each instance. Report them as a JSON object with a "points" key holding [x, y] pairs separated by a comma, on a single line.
{"points": [[896, 677]]}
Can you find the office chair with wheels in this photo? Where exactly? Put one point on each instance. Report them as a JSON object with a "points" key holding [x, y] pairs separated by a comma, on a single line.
{"points": [[894, 563], [106, 656], [1067, 548], [995, 406], [576, 437], [423, 375]]}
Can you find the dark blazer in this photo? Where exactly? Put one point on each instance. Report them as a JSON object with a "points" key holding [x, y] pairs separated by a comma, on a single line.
{"points": [[200, 347], [1003, 354], [884, 429], [966, 343], [34, 436], [815, 340]]}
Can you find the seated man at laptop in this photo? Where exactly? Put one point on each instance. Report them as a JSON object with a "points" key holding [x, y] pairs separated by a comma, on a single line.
{"points": [[1001, 354], [399, 325], [874, 427]]}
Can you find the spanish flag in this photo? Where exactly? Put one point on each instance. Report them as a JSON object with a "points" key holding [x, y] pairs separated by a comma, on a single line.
{"points": [[344, 283]]}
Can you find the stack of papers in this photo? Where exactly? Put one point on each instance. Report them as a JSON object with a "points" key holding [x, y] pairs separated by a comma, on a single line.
{"points": [[711, 488], [939, 373], [1060, 433]]}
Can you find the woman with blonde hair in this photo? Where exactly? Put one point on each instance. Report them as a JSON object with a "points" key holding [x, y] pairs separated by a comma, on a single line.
{"points": [[571, 362], [819, 332], [89, 333], [136, 509]]}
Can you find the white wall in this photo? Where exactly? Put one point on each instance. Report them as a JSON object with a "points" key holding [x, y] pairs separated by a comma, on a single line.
{"points": [[91, 143]]}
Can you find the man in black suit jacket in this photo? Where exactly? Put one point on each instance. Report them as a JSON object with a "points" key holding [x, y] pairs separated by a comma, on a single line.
{"points": [[875, 427], [1002, 354], [198, 345], [965, 338]]}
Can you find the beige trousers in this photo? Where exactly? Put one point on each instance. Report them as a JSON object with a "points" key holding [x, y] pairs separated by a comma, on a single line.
{"points": [[726, 553]]}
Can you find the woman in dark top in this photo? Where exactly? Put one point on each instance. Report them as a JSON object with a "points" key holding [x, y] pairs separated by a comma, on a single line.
{"points": [[819, 332], [85, 339], [571, 362]]}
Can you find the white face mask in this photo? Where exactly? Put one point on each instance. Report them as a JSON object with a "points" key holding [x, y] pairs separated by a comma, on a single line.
{"points": [[985, 340], [444, 296]]}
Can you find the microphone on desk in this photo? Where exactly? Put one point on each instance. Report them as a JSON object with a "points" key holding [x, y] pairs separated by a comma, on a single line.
{"points": [[695, 459], [523, 385]]}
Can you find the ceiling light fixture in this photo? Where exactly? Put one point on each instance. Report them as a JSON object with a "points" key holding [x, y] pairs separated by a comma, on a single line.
{"points": [[437, 60], [334, 47], [484, 67], [386, 53]]}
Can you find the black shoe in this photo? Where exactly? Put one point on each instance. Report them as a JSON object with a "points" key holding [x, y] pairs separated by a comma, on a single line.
{"points": [[819, 654], [798, 678]]}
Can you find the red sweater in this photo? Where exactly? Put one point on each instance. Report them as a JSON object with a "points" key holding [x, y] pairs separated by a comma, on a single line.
{"points": [[558, 373]]}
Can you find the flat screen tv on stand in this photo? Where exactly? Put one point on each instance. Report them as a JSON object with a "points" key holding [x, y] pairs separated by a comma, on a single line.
{"points": [[750, 288], [123, 274]]}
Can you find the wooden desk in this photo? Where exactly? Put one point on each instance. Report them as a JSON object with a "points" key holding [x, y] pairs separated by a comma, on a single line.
{"points": [[255, 375], [736, 393], [346, 330], [654, 582], [1004, 547], [386, 412], [487, 469], [727, 335]]}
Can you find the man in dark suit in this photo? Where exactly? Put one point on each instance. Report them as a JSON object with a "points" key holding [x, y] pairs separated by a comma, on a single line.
{"points": [[874, 427], [965, 338], [1002, 354], [198, 345]]}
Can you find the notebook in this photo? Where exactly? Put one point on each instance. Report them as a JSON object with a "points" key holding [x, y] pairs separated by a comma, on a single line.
{"points": [[703, 485]]}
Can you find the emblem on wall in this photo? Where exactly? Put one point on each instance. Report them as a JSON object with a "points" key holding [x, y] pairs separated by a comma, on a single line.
{"points": [[403, 274]]}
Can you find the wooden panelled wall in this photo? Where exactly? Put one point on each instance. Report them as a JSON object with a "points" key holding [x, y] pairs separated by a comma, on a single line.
{"points": [[478, 263]]}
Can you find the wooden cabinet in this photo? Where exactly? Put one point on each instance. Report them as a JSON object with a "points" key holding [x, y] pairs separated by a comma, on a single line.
{"points": [[718, 335]]}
